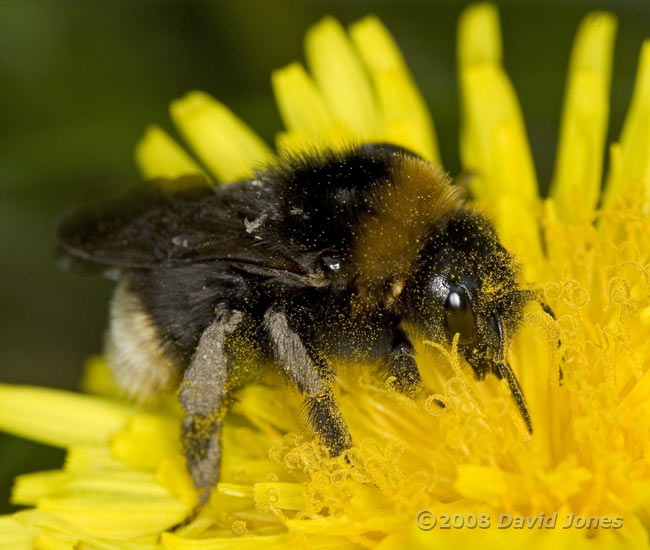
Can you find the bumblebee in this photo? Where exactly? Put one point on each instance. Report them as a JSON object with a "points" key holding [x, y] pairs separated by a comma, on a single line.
{"points": [[332, 255]]}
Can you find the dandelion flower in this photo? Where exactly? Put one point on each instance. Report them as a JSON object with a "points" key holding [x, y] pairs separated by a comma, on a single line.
{"points": [[416, 465]]}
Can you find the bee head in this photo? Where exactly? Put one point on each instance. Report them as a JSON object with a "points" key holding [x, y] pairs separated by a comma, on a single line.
{"points": [[466, 284]]}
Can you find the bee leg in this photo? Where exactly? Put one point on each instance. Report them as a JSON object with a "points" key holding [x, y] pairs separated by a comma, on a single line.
{"points": [[401, 367], [314, 380], [202, 395]]}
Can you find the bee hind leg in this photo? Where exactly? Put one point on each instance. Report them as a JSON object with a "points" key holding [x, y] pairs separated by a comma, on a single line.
{"points": [[203, 394], [314, 380]]}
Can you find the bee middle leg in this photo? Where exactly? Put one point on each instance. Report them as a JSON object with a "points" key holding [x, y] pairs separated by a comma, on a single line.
{"points": [[202, 394], [314, 380]]}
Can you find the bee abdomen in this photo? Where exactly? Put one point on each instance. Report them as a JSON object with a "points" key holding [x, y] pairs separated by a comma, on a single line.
{"points": [[141, 368]]}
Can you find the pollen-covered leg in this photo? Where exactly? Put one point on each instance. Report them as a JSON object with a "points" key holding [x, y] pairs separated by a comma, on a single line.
{"points": [[313, 378], [327, 421], [202, 394], [401, 367]]}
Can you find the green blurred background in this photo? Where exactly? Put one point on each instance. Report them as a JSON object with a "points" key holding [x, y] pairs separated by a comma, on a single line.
{"points": [[80, 80]]}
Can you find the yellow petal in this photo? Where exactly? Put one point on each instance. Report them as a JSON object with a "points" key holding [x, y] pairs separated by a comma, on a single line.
{"points": [[343, 526], [533, 358], [294, 141], [268, 409], [289, 496], [55, 542], [146, 441], [82, 457], [28, 488], [630, 172], [512, 535], [14, 535], [171, 541], [578, 170], [227, 146], [517, 226], [340, 75], [493, 138], [157, 155], [239, 467], [173, 475], [300, 102], [482, 483], [400, 132], [479, 39], [337, 137], [56, 533], [97, 378], [116, 515], [59, 418], [397, 93]]}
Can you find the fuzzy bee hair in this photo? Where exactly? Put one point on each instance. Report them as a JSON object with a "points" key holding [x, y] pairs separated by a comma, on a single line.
{"points": [[324, 256]]}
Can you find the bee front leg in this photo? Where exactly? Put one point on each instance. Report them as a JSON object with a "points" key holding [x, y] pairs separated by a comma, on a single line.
{"points": [[400, 366], [202, 395], [314, 380]]}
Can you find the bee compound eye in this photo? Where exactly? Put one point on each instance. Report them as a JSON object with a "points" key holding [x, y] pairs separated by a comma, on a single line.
{"points": [[459, 316]]}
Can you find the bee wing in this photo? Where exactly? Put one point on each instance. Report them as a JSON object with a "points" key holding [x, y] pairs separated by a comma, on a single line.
{"points": [[161, 224]]}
